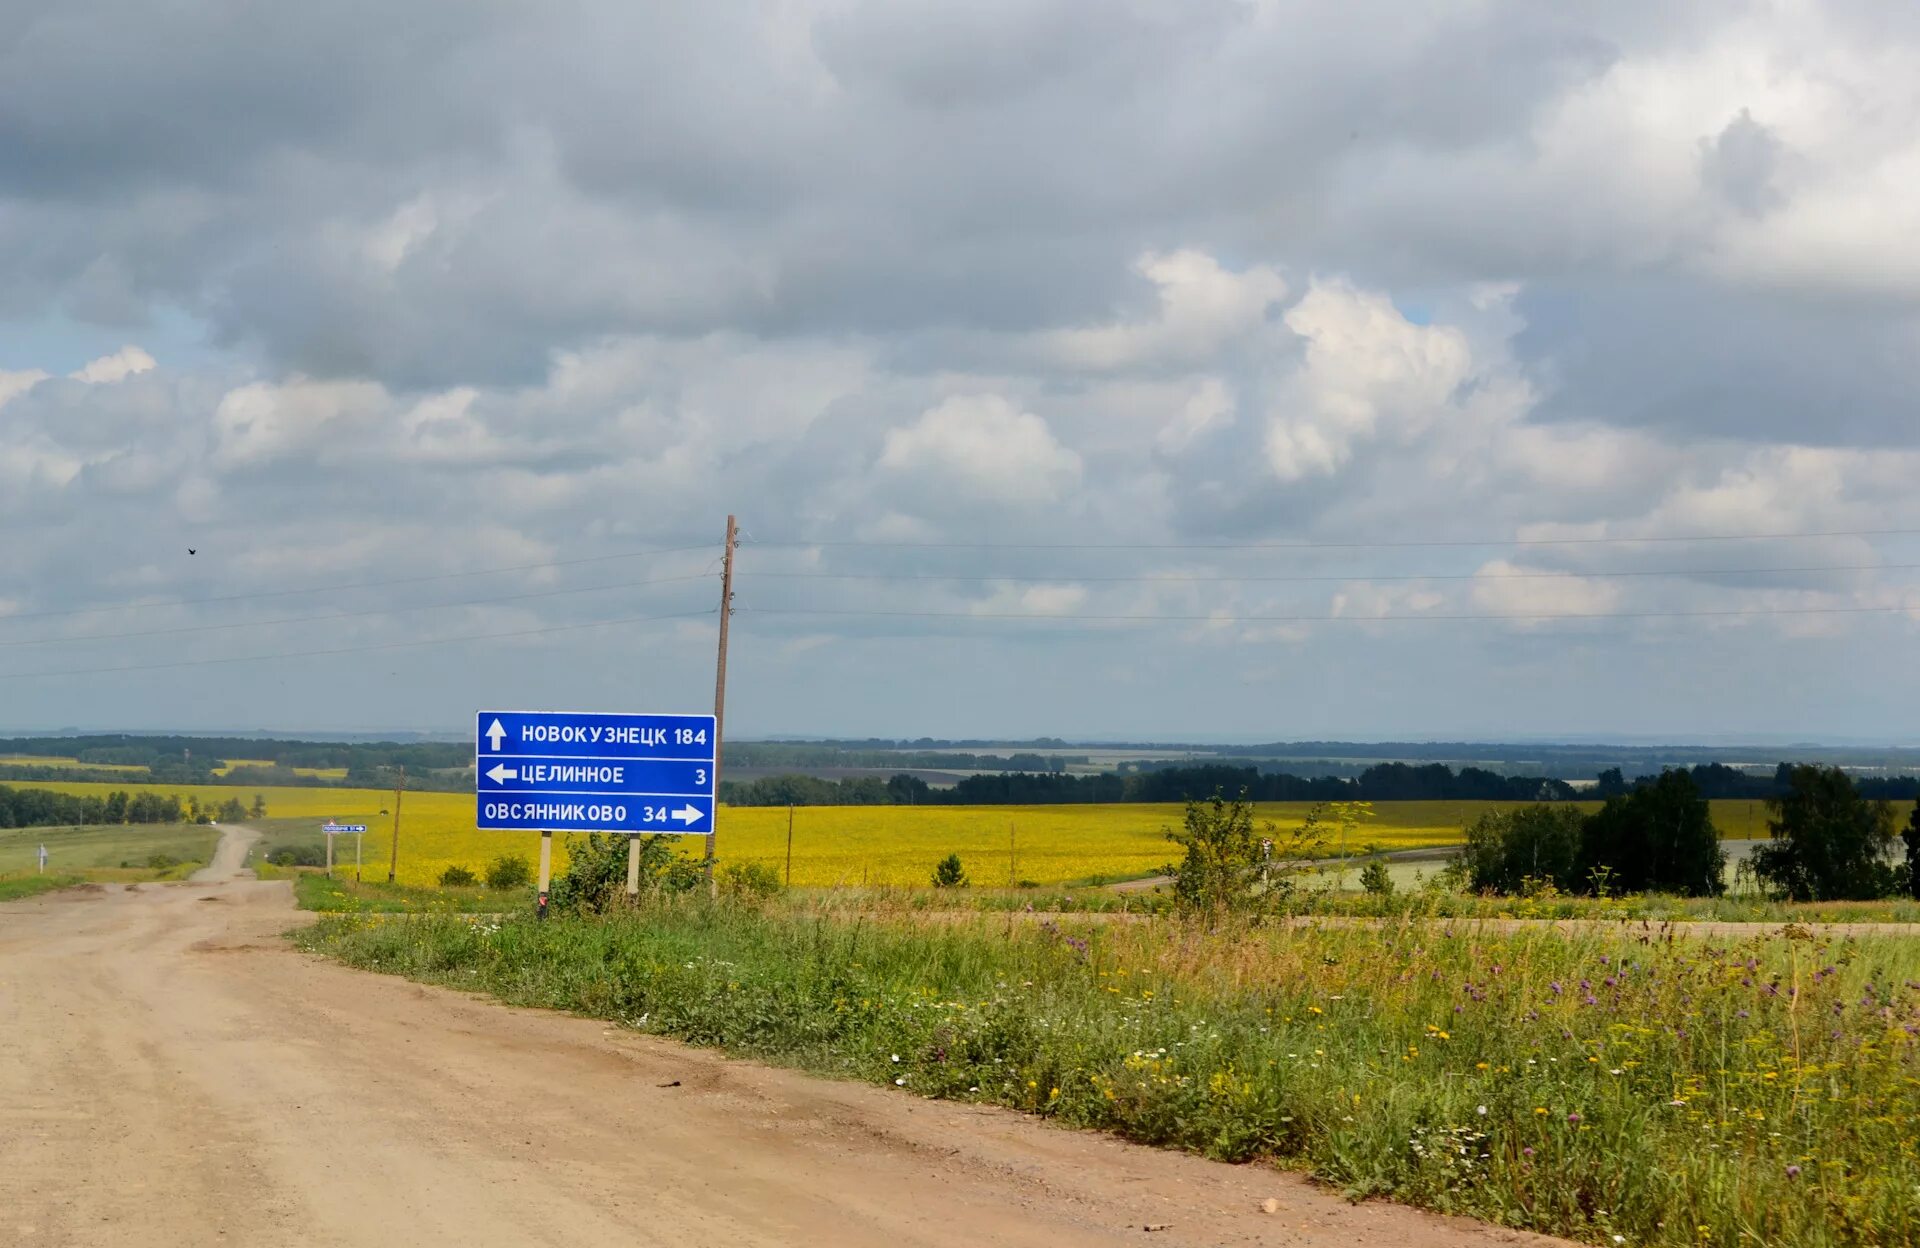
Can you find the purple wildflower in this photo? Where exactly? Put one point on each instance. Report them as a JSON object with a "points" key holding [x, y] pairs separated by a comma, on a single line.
{"points": [[1793, 1172]]}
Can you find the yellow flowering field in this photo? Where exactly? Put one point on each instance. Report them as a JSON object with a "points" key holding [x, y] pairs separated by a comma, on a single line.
{"points": [[318, 773], [868, 845], [41, 760]]}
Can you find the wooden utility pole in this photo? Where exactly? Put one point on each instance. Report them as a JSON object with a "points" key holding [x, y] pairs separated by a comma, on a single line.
{"points": [[546, 875], [789, 844], [720, 697], [393, 858]]}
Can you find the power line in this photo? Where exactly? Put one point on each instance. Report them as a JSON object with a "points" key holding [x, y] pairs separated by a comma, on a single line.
{"points": [[387, 645], [349, 615], [1070, 577], [1368, 545], [334, 589], [1332, 619]]}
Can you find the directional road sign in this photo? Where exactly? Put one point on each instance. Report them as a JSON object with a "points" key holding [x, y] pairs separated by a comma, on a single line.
{"points": [[337, 829], [560, 771]]}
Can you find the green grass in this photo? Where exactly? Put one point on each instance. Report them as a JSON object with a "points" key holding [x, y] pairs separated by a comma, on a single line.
{"points": [[99, 853], [312, 890], [19, 887], [1590, 1085]]}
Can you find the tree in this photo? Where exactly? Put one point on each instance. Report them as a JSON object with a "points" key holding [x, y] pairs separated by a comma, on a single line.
{"points": [[947, 873], [259, 808], [907, 790], [1229, 865], [1611, 784], [1912, 837], [1511, 851], [1829, 843], [1657, 838]]}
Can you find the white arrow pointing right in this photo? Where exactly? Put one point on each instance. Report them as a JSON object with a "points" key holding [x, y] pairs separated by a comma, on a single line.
{"points": [[494, 734], [688, 815], [500, 773]]}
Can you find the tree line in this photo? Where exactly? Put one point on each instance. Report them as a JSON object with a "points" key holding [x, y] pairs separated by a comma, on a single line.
{"points": [[1382, 782], [1829, 839], [40, 808]]}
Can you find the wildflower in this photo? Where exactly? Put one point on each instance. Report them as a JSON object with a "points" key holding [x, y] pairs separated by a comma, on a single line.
{"points": [[1574, 1117], [1793, 1172], [1482, 1111], [1527, 1151], [896, 1057], [900, 1082]]}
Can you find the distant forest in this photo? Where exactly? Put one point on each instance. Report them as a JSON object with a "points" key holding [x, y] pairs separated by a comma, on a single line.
{"points": [[39, 808], [200, 760], [1383, 782], [1032, 772]]}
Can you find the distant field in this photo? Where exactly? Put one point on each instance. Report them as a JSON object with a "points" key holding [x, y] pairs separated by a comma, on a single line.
{"points": [[36, 760], [229, 766], [854, 845]]}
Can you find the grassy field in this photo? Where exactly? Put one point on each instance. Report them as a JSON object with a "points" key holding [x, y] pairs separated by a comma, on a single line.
{"points": [[98, 853], [840, 846], [1588, 1084]]}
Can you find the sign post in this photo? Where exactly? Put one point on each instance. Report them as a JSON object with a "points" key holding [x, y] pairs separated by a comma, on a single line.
{"points": [[565, 771], [330, 829]]}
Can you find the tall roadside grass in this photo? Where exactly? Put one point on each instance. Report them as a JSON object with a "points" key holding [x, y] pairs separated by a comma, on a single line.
{"points": [[18, 887], [1597, 1085]]}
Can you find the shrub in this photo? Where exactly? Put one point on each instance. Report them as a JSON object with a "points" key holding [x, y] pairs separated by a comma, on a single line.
{"points": [[1375, 879], [509, 871], [297, 856], [947, 873], [595, 880], [749, 881], [458, 877]]}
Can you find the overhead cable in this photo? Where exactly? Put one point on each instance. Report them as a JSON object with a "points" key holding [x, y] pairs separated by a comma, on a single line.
{"points": [[386, 645], [334, 589]]}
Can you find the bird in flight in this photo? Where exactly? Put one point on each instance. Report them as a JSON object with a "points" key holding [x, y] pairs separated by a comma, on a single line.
{"points": [[192, 551]]}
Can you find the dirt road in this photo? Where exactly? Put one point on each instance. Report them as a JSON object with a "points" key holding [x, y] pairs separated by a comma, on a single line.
{"points": [[229, 856], [174, 1074]]}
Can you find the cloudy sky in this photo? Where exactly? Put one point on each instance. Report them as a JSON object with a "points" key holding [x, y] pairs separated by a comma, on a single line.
{"points": [[1262, 369]]}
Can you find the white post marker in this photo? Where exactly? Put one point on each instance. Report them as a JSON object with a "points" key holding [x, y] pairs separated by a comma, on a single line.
{"points": [[43, 858]]}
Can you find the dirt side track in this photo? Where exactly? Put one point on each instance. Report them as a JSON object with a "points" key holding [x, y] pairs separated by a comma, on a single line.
{"points": [[175, 1074]]}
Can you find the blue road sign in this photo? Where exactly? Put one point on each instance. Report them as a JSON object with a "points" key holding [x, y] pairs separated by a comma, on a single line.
{"points": [[336, 829], [559, 771]]}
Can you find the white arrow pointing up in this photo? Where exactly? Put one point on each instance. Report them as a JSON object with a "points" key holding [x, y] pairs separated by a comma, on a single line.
{"points": [[494, 734], [500, 773], [688, 814]]}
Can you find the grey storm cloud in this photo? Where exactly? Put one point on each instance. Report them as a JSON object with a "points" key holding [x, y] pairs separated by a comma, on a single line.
{"points": [[473, 286]]}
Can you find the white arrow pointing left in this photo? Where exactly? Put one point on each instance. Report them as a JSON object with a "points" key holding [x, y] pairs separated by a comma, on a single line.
{"points": [[688, 815], [500, 773]]}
